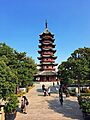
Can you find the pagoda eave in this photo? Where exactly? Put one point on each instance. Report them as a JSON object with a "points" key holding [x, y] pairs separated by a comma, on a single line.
{"points": [[47, 64], [41, 40], [41, 46], [40, 58], [50, 49], [44, 73], [44, 34], [39, 51]]}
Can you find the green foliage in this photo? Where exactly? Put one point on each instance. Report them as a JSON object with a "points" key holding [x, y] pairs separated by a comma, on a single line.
{"points": [[85, 94], [7, 80], [77, 67], [16, 69], [26, 71], [84, 102], [11, 104]]}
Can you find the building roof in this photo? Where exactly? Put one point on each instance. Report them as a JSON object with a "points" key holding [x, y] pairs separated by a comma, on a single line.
{"points": [[39, 51], [46, 31], [47, 49], [47, 73], [47, 56]]}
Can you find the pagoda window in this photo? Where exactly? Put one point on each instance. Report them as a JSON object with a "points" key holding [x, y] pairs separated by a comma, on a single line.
{"points": [[44, 78], [45, 52], [45, 59], [50, 66], [46, 41], [45, 66], [47, 47], [47, 37]]}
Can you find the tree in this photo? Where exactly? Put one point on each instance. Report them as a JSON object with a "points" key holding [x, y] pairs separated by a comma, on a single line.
{"points": [[80, 63], [63, 72], [7, 80], [77, 66], [21, 66], [26, 69]]}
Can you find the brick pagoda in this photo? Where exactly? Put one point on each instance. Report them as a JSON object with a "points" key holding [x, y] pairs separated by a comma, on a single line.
{"points": [[47, 71]]}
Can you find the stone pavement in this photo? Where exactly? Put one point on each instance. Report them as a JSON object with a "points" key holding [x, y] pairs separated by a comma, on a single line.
{"points": [[49, 108]]}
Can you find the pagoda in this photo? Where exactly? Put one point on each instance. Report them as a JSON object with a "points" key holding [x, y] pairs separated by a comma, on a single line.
{"points": [[47, 71]]}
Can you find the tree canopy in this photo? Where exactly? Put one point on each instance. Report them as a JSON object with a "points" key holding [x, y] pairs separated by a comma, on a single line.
{"points": [[77, 67], [16, 69]]}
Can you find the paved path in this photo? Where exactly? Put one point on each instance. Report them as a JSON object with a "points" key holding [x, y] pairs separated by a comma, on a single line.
{"points": [[49, 108]]}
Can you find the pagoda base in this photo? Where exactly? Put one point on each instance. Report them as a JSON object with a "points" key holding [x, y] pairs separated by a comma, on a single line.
{"points": [[46, 76]]}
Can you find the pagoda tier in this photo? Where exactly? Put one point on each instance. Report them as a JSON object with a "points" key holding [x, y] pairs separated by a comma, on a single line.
{"points": [[46, 40], [47, 69], [46, 34], [40, 58], [47, 50], [46, 54], [47, 60], [47, 46], [49, 63]]}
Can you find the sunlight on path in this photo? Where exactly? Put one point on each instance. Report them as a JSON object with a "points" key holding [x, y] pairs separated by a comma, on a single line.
{"points": [[49, 108]]}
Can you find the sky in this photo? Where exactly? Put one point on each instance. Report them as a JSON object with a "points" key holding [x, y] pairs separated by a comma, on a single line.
{"points": [[22, 21]]}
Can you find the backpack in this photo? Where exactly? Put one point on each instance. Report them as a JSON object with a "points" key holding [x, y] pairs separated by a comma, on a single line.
{"points": [[27, 103]]}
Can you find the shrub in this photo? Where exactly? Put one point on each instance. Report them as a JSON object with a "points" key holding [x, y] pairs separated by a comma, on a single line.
{"points": [[11, 104]]}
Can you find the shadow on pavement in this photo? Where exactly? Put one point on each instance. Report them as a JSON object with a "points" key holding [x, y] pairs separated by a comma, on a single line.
{"points": [[69, 109], [39, 90], [53, 89]]}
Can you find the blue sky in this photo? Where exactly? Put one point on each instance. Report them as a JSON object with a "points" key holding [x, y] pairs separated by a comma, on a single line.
{"points": [[21, 22]]}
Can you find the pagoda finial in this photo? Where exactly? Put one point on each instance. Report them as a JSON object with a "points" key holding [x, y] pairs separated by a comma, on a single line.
{"points": [[46, 24]]}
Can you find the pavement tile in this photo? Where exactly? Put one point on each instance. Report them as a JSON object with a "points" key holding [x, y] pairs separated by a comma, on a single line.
{"points": [[49, 108]]}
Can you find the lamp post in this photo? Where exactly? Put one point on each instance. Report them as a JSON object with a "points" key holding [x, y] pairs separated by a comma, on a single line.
{"points": [[61, 93], [78, 75], [79, 87]]}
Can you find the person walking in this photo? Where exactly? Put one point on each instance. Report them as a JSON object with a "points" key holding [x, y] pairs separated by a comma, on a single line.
{"points": [[53, 84], [61, 95], [45, 92], [43, 86], [61, 98], [49, 91], [24, 103]]}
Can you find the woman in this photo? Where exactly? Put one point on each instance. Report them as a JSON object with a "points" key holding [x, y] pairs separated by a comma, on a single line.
{"points": [[23, 104]]}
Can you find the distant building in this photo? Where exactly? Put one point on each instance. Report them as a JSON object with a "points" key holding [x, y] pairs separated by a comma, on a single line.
{"points": [[47, 71]]}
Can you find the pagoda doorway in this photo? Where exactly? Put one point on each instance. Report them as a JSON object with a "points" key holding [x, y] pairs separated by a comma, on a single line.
{"points": [[47, 78]]}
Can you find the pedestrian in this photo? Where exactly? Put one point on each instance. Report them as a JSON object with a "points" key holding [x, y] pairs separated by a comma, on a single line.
{"points": [[24, 103], [57, 83], [53, 84], [43, 86], [45, 92], [61, 98], [49, 91]]}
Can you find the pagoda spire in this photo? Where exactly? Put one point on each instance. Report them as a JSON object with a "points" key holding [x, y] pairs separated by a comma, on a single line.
{"points": [[46, 24]]}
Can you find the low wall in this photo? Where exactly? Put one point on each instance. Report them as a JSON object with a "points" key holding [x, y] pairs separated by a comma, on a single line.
{"points": [[2, 114]]}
